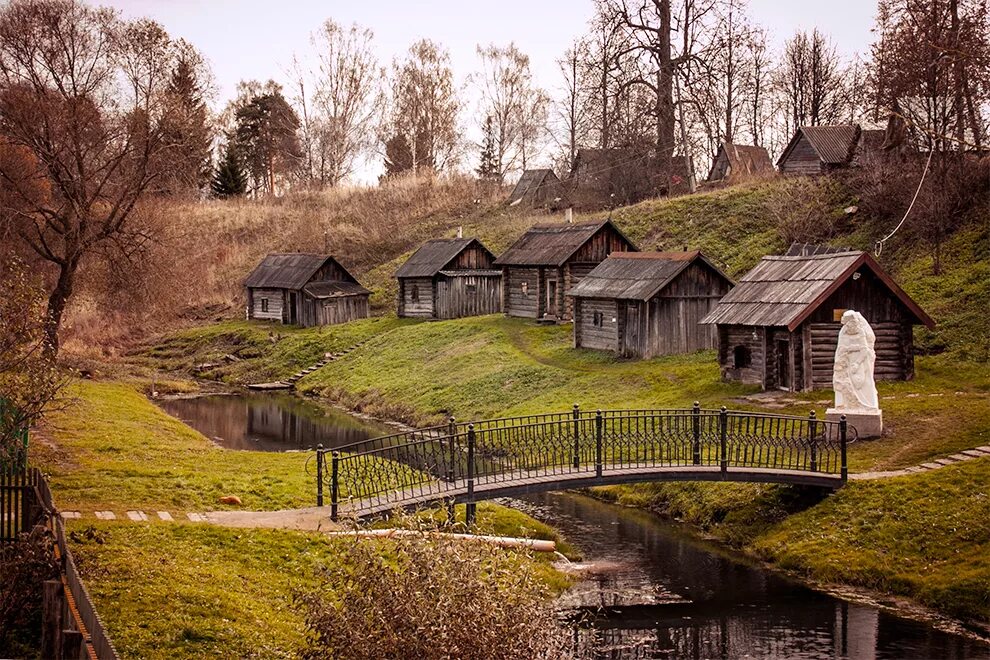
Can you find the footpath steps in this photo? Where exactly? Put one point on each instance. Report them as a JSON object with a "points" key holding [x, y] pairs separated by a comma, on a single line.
{"points": [[289, 383], [935, 464]]}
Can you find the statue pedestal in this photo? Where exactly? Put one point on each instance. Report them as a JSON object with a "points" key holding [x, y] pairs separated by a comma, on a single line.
{"points": [[868, 423]]}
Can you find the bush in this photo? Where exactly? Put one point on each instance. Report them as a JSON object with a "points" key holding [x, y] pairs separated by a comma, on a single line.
{"points": [[428, 596], [24, 566]]}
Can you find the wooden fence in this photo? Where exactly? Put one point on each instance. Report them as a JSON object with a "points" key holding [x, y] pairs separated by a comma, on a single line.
{"points": [[71, 628]]}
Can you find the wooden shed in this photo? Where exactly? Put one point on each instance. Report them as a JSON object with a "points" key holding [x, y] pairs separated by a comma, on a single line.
{"points": [[820, 149], [304, 289], [779, 326], [645, 304], [548, 260], [739, 162], [449, 278], [538, 188]]}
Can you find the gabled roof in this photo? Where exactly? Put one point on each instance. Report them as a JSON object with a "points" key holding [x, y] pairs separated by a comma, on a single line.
{"points": [[530, 182], [434, 255], [834, 145], [743, 159], [637, 275], [552, 245], [288, 271], [335, 289], [785, 290]]}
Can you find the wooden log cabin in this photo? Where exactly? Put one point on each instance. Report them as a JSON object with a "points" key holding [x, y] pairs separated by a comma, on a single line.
{"points": [[779, 327], [449, 278], [735, 163], [304, 289], [819, 149], [643, 304], [546, 261]]}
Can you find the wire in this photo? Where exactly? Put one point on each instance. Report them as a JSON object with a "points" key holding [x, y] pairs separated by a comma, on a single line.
{"points": [[878, 248]]}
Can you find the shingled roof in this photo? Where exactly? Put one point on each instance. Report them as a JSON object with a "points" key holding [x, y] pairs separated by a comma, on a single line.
{"points": [[744, 159], [833, 144], [784, 290], [637, 275], [335, 289], [434, 255], [552, 245], [531, 181], [287, 271]]}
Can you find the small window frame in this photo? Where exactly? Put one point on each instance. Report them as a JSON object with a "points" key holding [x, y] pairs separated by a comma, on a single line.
{"points": [[264, 305], [742, 357], [414, 293]]}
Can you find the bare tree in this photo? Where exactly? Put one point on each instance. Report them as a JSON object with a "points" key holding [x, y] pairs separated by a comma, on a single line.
{"points": [[517, 108], [813, 81], [83, 93], [572, 108], [423, 107]]}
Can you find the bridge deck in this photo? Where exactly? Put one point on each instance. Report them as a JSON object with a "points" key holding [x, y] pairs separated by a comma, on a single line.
{"points": [[520, 483]]}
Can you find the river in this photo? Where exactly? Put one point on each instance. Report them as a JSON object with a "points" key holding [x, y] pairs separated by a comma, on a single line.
{"points": [[656, 590]]}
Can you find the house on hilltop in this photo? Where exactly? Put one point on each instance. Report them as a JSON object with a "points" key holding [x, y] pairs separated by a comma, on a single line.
{"points": [[645, 304], [779, 327], [538, 188], [548, 260], [304, 289], [449, 278], [738, 162], [821, 149]]}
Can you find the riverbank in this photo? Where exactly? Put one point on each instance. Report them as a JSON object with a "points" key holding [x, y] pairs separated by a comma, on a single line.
{"points": [[932, 546]]}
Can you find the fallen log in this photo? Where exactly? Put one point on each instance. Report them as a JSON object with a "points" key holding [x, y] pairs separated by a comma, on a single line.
{"points": [[537, 545]]}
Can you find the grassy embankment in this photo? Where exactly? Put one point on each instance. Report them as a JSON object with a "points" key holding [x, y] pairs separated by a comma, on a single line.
{"points": [[923, 536]]}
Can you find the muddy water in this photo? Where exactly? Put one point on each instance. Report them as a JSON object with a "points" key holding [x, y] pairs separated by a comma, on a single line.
{"points": [[659, 592]]}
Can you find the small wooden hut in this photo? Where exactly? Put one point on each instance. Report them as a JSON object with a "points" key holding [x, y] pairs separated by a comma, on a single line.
{"points": [[538, 188], [821, 149], [779, 326], [304, 289], [548, 260], [645, 304], [739, 162], [449, 278]]}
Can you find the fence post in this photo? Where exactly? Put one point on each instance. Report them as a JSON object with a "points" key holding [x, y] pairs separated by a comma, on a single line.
{"points": [[696, 433], [334, 484], [812, 436], [844, 468], [471, 508], [723, 430], [319, 475], [577, 436], [451, 432], [598, 443], [51, 617]]}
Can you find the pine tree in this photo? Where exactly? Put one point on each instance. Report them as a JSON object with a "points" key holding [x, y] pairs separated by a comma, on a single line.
{"points": [[186, 131], [229, 179], [488, 170]]}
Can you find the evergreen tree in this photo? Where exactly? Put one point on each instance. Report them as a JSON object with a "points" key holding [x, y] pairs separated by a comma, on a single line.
{"points": [[229, 179], [185, 130], [488, 169]]}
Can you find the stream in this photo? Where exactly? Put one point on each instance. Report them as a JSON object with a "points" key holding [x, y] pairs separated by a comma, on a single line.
{"points": [[652, 589]]}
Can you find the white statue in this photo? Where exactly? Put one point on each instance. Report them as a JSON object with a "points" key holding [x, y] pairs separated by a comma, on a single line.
{"points": [[852, 376]]}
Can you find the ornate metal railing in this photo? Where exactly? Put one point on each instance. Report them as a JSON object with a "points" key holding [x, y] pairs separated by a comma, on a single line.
{"points": [[469, 461]]}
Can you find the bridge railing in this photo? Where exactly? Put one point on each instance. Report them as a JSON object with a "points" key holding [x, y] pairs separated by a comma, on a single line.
{"points": [[455, 459]]}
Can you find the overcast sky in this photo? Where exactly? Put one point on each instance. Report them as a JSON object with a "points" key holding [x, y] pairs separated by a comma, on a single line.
{"points": [[255, 39]]}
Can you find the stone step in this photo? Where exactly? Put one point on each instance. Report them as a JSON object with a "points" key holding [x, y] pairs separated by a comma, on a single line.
{"points": [[165, 515], [931, 466], [944, 461], [985, 449], [137, 516], [975, 453], [196, 517], [71, 515], [106, 515], [961, 457]]}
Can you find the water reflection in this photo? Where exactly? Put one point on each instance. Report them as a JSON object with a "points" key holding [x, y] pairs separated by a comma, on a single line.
{"points": [[665, 594], [270, 422]]}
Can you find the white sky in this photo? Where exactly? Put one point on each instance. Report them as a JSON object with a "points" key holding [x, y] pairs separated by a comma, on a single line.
{"points": [[256, 39]]}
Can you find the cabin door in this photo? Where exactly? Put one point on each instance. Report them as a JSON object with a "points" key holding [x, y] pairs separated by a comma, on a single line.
{"points": [[551, 298], [630, 331], [783, 363], [290, 315]]}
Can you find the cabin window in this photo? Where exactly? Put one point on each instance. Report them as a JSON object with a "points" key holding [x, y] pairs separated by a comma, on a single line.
{"points": [[414, 293], [741, 357], [597, 319], [264, 304], [525, 288], [472, 289]]}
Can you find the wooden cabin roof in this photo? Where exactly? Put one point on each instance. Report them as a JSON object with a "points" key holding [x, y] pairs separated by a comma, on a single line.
{"points": [[637, 275], [335, 289], [434, 255], [552, 245], [834, 145], [743, 159], [785, 290], [288, 271], [530, 182]]}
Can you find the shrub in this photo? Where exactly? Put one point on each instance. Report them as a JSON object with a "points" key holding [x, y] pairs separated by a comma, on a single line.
{"points": [[427, 596], [24, 567]]}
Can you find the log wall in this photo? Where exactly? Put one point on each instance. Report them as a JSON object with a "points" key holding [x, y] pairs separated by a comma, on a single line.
{"points": [[587, 334], [276, 303], [802, 159], [520, 303], [421, 305], [468, 295]]}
